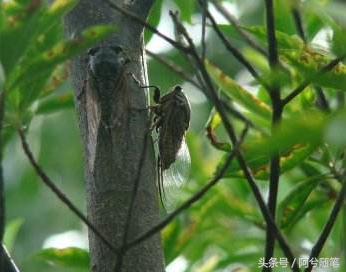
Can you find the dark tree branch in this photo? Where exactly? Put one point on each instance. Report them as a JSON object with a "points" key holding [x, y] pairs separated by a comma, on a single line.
{"points": [[231, 133], [274, 92], [308, 81], [247, 38], [204, 11], [317, 248], [64, 199], [298, 23], [196, 197], [322, 101], [235, 52]]}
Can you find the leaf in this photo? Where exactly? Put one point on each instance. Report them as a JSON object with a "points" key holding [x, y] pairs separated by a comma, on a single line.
{"points": [[56, 103], [32, 76], [232, 89], [70, 257], [212, 124], [291, 205], [12, 229], [186, 7], [154, 19], [309, 62]]}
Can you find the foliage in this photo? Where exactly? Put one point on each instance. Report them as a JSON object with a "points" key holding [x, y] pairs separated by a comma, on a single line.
{"points": [[224, 229]]}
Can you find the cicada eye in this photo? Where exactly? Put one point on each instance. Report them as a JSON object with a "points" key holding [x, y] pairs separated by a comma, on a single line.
{"points": [[92, 51], [178, 88], [117, 49], [157, 95]]}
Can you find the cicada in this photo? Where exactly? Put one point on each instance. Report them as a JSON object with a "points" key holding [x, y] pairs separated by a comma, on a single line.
{"points": [[172, 119]]}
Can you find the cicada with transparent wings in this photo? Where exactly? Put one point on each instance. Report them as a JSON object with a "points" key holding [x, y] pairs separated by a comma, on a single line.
{"points": [[172, 119]]}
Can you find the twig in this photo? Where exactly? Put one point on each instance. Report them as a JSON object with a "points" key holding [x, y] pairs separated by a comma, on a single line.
{"points": [[50, 184], [197, 196], [204, 11], [274, 92], [174, 68], [299, 24], [321, 102], [146, 25], [308, 81], [235, 52], [317, 248], [250, 41], [231, 133]]}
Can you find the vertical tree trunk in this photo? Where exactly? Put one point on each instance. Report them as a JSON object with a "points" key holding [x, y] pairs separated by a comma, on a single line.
{"points": [[112, 158]]}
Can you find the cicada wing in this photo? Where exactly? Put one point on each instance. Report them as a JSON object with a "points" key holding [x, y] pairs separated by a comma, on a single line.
{"points": [[176, 177]]}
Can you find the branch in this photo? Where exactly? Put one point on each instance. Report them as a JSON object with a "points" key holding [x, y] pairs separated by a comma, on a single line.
{"points": [[231, 133], [146, 25], [250, 41], [321, 102], [274, 92], [50, 184], [204, 11], [192, 199], [317, 248], [235, 52], [308, 81], [8, 263]]}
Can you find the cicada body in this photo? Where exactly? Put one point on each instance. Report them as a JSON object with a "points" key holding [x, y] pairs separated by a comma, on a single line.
{"points": [[171, 122]]}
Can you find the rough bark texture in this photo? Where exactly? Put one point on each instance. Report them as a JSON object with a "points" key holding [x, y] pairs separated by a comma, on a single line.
{"points": [[112, 158]]}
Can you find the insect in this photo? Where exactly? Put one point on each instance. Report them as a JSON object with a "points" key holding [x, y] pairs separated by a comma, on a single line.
{"points": [[172, 119], [106, 70]]}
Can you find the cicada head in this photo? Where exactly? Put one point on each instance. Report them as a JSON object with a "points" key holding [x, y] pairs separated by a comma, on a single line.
{"points": [[105, 62]]}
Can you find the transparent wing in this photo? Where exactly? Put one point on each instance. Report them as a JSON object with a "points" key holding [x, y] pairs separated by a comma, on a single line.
{"points": [[175, 177]]}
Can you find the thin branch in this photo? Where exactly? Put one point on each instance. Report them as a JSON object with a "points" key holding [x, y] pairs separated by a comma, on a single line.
{"points": [[197, 196], [50, 184], [146, 25], [235, 52], [231, 133], [317, 248], [204, 11], [274, 92], [174, 68], [308, 81], [232, 20], [322, 101], [298, 23]]}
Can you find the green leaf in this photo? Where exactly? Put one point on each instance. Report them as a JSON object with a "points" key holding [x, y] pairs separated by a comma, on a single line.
{"points": [[284, 40], [283, 18], [71, 257], [17, 32], [233, 90], [32, 76], [291, 205], [154, 19], [12, 229], [213, 123], [309, 62], [186, 7], [56, 103]]}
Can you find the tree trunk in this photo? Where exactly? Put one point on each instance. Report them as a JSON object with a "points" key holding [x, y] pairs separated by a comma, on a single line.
{"points": [[113, 154]]}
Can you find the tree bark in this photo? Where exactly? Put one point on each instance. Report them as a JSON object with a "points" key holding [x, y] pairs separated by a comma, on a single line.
{"points": [[112, 159]]}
